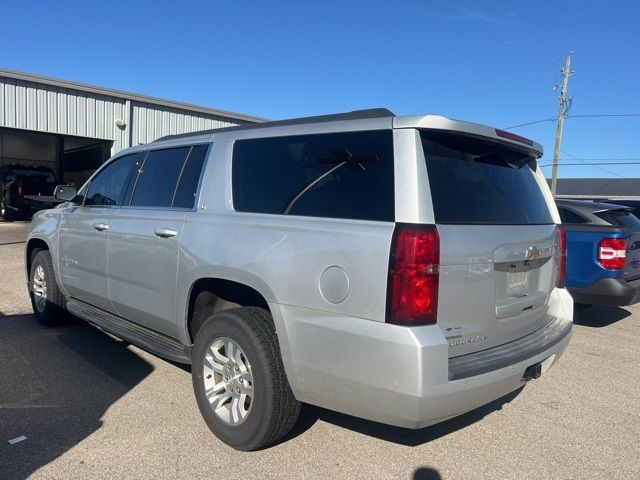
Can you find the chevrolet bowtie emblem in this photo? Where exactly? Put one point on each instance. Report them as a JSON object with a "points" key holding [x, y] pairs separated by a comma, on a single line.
{"points": [[532, 252]]}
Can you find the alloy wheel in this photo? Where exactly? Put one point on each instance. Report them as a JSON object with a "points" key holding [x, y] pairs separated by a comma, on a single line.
{"points": [[228, 381], [39, 287]]}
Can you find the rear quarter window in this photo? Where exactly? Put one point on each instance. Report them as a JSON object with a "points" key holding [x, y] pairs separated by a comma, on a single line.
{"points": [[477, 181], [338, 175], [569, 216]]}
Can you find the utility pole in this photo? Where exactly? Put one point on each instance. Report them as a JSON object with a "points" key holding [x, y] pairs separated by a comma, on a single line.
{"points": [[565, 104]]}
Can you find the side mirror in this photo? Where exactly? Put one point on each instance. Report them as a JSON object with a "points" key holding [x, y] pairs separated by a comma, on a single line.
{"points": [[65, 193]]}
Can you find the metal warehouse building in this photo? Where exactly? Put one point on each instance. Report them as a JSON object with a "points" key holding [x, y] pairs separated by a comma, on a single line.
{"points": [[599, 188], [73, 128]]}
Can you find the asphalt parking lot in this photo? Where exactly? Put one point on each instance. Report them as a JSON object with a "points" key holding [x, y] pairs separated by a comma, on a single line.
{"points": [[92, 406]]}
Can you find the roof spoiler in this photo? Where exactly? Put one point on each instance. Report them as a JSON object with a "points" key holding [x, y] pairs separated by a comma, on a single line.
{"points": [[354, 115]]}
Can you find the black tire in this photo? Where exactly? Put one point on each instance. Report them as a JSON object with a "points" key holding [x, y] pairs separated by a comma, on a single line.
{"points": [[8, 214], [51, 311], [274, 410]]}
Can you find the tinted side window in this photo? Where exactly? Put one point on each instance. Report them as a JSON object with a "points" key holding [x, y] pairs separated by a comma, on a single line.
{"points": [[569, 216], [482, 182], [188, 185], [338, 175], [109, 187], [157, 180]]}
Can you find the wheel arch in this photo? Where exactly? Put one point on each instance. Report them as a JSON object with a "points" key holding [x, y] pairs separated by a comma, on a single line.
{"points": [[34, 245], [211, 294]]}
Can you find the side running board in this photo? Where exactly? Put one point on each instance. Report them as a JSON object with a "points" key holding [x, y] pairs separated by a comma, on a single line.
{"points": [[143, 337]]}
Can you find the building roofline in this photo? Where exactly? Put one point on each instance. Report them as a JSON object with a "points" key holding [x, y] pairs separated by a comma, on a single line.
{"points": [[56, 82]]}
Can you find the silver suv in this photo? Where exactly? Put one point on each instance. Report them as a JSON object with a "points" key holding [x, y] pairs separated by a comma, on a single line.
{"points": [[400, 269]]}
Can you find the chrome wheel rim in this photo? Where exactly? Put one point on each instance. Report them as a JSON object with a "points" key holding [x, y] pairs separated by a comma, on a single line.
{"points": [[40, 288], [228, 381]]}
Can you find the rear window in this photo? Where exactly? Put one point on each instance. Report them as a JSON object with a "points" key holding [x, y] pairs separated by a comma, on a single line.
{"points": [[33, 182], [477, 181], [621, 218], [337, 175], [39, 175]]}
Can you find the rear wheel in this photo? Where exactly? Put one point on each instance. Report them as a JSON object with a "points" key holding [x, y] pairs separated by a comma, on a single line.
{"points": [[239, 380], [46, 298]]}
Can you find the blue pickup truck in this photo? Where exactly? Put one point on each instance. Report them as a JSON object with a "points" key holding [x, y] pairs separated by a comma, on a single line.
{"points": [[603, 252]]}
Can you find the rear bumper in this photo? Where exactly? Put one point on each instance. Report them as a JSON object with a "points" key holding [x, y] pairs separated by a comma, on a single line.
{"points": [[521, 350], [402, 376], [608, 291], [466, 394]]}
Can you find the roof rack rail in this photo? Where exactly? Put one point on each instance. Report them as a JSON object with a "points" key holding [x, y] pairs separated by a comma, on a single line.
{"points": [[354, 115]]}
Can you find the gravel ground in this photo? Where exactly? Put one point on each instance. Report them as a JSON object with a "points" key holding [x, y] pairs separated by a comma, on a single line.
{"points": [[95, 407]]}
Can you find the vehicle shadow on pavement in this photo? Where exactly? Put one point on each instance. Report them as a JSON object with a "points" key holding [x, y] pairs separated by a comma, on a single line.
{"points": [[55, 385], [599, 316], [404, 436]]}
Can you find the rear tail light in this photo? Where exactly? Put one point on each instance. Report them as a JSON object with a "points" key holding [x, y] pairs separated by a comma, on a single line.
{"points": [[412, 291], [612, 253], [20, 192], [562, 266]]}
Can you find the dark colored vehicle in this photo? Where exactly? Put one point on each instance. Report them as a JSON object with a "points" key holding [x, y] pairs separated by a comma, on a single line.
{"points": [[26, 189], [603, 250], [624, 201], [633, 204]]}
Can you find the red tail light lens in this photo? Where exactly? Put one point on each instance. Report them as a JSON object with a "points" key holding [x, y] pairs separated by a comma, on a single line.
{"points": [[414, 275], [562, 267], [612, 253], [20, 193]]}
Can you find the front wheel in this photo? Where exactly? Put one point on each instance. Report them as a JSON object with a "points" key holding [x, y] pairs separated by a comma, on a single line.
{"points": [[46, 298], [239, 380]]}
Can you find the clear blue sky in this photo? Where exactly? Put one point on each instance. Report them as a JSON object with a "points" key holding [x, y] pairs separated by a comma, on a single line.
{"points": [[489, 62]]}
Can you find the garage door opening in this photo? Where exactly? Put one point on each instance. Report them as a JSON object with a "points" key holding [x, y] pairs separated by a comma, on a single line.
{"points": [[71, 159]]}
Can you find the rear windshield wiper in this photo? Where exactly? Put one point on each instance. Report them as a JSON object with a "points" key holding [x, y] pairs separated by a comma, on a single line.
{"points": [[507, 158], [341, 157]]}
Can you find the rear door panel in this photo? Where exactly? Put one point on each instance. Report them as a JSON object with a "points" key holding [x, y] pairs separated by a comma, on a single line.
{"points": [[143, 266]]}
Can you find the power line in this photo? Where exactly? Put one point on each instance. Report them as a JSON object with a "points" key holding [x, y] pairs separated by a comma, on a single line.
{"points": [[605, 115], [594, 115], [610, 172], [598, 159], [531, 123], [594, 164]]}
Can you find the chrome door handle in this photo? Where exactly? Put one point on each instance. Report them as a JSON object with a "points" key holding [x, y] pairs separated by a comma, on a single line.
{"points": [[101, 227], [165, 232]]}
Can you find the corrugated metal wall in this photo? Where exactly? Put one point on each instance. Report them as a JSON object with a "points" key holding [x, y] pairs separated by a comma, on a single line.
{"points": [[46, 108], [151, 122]]}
